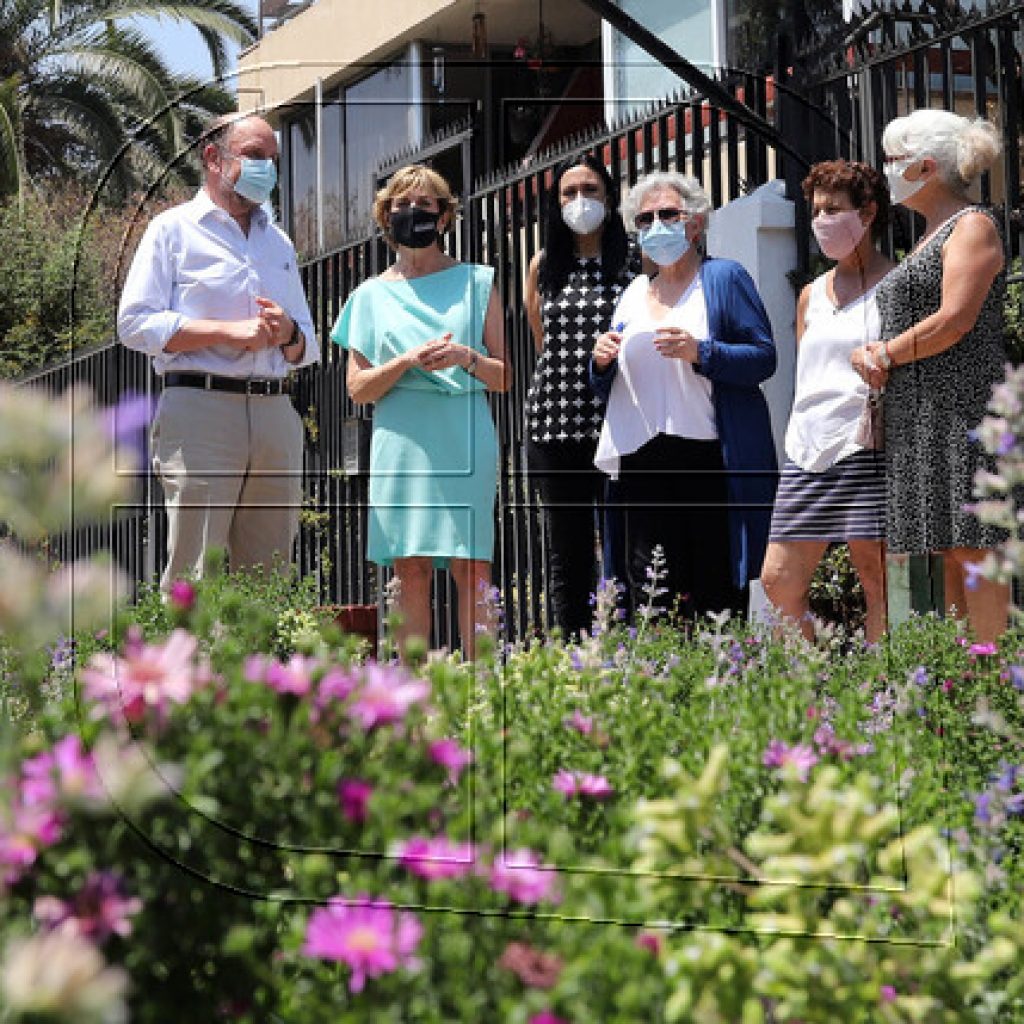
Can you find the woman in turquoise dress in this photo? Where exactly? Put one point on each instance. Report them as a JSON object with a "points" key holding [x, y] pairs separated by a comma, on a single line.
{"points": [[426, 341]]}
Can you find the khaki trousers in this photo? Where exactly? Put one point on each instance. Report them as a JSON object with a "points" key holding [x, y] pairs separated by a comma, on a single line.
{"points": [[231, 470]]}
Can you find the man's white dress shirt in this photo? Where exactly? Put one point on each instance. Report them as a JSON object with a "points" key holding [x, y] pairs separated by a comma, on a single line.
{"points": [[195, 263]]}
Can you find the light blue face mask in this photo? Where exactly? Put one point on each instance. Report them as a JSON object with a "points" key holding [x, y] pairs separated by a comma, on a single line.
{"points": [[663, 243], [257, 179]]}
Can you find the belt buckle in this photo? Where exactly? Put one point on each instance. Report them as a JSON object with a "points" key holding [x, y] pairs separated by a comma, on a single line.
{"points": [[258, 387]]}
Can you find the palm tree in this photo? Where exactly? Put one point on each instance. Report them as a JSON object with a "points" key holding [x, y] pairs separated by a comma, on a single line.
{"points": [[84, 93]]}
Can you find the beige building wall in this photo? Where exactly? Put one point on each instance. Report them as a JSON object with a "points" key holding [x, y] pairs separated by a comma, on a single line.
{"points": [[331, 36]]}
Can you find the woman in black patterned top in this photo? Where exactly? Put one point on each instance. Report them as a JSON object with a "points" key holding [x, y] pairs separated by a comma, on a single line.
{"points": [[942, 352], [572, 287]]}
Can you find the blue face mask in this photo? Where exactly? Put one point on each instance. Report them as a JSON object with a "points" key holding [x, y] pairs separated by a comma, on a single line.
{"points": [[663, 243], [257, 179]]}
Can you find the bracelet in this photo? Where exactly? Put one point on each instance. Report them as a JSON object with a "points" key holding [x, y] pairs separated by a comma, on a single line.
{"points": [[471, 365], [883, 356]]}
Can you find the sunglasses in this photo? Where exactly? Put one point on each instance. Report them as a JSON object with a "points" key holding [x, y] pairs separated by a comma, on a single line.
{"points": [[667, 215]]}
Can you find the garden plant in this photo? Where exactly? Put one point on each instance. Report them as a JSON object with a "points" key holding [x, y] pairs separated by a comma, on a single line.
{"points": [[218, 808]]}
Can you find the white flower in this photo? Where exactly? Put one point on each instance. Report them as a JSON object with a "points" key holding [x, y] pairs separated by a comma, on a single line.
{"points": [[131, 777], [61, 975]]}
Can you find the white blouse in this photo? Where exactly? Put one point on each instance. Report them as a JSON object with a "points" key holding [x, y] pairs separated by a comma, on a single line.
{"points": [[829, 396], [651, 393]]}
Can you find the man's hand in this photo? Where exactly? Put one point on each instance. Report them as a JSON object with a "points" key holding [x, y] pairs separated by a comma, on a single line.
{"points": [[279, 322], [253, 334]]}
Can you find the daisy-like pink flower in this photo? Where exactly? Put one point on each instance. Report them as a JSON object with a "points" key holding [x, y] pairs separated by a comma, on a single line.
{"points": [[65, 772], [583, 724], [982, 650], [450, 755], [521, 876], [24, 831], [546, 1017], [369, 936], [386, 696], [149, 678], [650, 941], [295, 677], [887, 994], [436, 858], [799, 759], [354, 797], [182, 595], [336, 684], [100, 909]]}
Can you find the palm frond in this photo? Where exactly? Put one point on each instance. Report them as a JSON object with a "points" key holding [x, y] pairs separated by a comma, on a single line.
{"points": [[12, 159]]}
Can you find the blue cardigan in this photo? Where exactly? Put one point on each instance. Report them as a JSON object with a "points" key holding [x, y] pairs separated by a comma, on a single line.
{"points": [[737, 355]]}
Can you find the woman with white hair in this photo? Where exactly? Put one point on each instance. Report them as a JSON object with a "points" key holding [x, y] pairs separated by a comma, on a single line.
{"points": [[686, 430], [942, 351]]}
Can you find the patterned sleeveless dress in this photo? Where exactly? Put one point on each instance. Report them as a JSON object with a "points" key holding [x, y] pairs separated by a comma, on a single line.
{"points": [[932, 404]]}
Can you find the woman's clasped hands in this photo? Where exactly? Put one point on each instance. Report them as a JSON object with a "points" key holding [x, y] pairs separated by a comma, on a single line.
{"points": [[867, 363], [439, 354], [676, 343]]}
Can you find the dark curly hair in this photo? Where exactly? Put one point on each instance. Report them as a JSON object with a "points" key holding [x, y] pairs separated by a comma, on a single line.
{"points": [[860, 181], [559, 249]]}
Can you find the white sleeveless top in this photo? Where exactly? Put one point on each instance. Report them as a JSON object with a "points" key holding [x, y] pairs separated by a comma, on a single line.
{"points": [[652, 394], [830, 396]]}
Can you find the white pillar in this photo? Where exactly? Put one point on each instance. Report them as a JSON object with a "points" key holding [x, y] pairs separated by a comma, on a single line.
{"points": [[758, 230]]}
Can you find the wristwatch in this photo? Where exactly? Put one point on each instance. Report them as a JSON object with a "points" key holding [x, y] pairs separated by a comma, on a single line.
{"points": [[293, 337]]}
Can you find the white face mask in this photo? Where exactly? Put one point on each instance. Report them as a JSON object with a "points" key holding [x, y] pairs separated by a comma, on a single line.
{"points": [[899, 188], [583, 215]]}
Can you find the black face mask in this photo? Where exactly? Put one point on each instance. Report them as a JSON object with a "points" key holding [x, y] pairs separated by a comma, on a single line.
{"points": [[414, 228]]}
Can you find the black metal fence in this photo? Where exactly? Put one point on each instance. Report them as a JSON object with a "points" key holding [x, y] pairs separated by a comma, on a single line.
{"points": [[831, 100]]}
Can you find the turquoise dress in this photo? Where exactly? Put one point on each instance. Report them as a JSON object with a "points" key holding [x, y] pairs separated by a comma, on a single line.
{"points": [[434, 453]]}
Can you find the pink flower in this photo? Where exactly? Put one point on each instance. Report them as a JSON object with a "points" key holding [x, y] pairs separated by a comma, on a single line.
{"points": [[354, 796], [24, 831], [450, 755], [829, 743], [571, 784], [520, 875], [182, 595], [887, 994], [368, 936], [583, 724], [295, 678], [386, 696], [546, 1017], [100, 909], [650, 941], [981, 650], [597, 787], [66, 772], [149, 678], [565, 783], [799, 759], [335, 684], [436, 858], [254, 668]]}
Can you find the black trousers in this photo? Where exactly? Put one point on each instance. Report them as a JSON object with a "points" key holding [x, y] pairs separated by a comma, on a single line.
{"points": [[571, 490], [672, 493]]}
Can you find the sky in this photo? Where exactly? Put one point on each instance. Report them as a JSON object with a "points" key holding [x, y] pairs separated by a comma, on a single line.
{"points": [[182, 48]]}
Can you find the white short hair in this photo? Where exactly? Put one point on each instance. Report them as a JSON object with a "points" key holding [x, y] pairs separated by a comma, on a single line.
{"points": [[962, 147], [693, 196]]}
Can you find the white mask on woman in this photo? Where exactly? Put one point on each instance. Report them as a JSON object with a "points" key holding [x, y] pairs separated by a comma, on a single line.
{"points": [[583, 215], [838, 234], [899, 188]]}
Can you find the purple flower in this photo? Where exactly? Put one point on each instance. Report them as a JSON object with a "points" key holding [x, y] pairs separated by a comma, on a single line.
{"points": [[295, 678], [546, 1017], [127, 423], [1017, 677], [576, 660], [597, 787], [1007, 777], [521, 876], [369, 936], [564, 782], [354, 797], [66, 772], [920, 677], [100, 909], [450, 755], [436, 858], [887, 994], [974, 572], [982, 809]]}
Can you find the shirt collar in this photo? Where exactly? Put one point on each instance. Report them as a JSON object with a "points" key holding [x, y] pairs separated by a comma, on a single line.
{"points": [[202, 206]]}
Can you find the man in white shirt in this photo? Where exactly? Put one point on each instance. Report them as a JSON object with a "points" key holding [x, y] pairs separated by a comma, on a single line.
{"points": [[214, 296]]}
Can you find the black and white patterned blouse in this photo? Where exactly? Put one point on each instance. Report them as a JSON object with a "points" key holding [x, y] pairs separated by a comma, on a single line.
{"points": [[560, 405]]}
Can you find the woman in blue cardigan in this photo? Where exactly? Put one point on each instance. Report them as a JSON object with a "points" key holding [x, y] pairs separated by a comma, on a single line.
{"points": [[686, 430]]}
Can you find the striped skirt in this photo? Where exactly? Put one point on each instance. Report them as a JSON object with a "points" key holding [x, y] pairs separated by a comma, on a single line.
{"points": [[846, 502]]}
